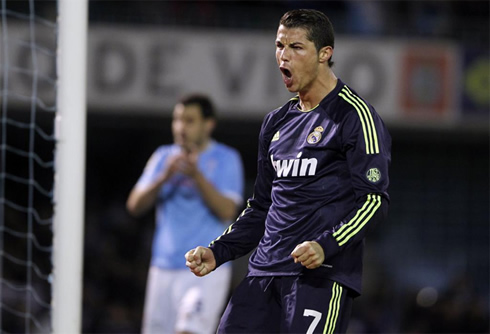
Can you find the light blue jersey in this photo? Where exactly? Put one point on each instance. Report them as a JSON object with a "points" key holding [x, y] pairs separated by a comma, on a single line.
{"points": [[183, 221]]}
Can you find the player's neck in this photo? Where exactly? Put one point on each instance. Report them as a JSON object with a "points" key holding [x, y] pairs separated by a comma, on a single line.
{"points": [[204, 145], [196, 147], [310, 98]]}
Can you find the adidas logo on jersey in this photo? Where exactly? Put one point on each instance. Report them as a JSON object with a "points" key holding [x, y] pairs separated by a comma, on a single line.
{"points": [[276, 136], [295, 167]]}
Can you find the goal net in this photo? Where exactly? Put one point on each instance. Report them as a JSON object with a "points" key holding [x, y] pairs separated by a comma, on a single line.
{"points": [[37, 256]]}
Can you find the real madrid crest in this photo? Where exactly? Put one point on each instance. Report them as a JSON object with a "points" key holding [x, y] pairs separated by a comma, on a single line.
{"points": [[315, 136]]}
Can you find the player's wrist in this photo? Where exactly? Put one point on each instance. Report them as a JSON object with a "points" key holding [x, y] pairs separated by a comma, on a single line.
{"points": [[328, 244]]}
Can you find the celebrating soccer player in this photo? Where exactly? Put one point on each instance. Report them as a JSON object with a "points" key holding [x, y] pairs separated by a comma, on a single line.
{"points": [[322, 179]]}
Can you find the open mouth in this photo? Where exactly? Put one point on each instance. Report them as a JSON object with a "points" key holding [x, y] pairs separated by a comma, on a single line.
{"points": [[287, 77], [286, 72]]}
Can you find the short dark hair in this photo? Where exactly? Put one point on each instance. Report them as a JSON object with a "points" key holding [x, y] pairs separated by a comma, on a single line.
{"points": [[318, 26], [203, 101]]}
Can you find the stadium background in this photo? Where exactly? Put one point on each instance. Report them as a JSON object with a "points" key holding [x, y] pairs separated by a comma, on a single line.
{"points": [[426, 269]]}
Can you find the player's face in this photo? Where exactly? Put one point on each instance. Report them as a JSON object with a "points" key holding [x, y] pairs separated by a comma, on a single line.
{"points": [[297, 58], [190, 130]]}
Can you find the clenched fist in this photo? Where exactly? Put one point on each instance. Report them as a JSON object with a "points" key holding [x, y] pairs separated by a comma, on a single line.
{"points": [[309, 253], [200, 261]]}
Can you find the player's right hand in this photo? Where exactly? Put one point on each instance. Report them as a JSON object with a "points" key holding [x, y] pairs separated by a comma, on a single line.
{"points": [[200, 261], [185, 163], [175, 164]]}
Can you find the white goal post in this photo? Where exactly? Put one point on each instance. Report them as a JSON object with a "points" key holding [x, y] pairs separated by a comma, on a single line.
{"points": [[70, 166]]}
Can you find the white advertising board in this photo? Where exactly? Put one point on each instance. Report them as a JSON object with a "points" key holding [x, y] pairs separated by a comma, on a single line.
{"points": [[142, 70]]}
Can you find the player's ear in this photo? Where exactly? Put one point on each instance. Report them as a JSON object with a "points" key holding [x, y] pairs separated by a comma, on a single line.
{"points": [[325, 54], [210, 125]]}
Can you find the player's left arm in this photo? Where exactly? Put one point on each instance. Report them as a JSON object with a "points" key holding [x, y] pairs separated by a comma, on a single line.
{"points": [[223, 195], [367, 147], [222, 206]]}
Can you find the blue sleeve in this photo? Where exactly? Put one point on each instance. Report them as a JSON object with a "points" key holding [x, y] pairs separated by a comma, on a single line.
{"points": [[230, 181], [153, 167]]}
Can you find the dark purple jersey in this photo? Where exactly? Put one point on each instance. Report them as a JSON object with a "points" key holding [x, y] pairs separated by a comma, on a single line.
{"points": [[322, 176]]}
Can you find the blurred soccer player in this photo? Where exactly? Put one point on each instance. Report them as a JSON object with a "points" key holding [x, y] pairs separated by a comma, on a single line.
{"points": [[196, 184], [321, 185]]}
